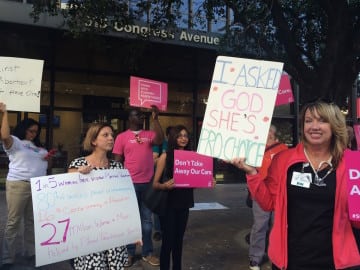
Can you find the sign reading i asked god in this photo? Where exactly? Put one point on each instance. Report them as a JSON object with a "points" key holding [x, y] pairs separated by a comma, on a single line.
{"points": [[192, 170], [20, 83], [239, 109]]}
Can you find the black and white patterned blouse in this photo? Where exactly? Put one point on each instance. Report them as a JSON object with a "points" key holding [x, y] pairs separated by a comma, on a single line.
{"points": [[81, 161], [111, 259]]}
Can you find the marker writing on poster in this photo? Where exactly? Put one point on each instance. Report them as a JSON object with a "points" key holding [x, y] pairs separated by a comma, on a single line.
{"points": [[248, 75]]}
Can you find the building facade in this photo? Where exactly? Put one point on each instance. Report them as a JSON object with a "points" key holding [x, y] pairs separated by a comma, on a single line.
{"points": [[87, 80]]}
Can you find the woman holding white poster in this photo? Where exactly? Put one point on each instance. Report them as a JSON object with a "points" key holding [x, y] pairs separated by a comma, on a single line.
{"points": [[99, 141], [27, 159], [174, 221], [307, 189]]}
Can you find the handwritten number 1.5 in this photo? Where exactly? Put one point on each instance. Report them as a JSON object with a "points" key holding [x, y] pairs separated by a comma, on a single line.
{"points": [[50, 240], [38, 185], [50, 184]]}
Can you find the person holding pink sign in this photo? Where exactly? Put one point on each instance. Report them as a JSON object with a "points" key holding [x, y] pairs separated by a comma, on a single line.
{"points": [[99, 140], [134, 147], [306, 187], [180, 200]]}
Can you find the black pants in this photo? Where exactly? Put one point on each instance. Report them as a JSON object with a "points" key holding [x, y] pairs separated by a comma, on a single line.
{"points": [[173, 226]]}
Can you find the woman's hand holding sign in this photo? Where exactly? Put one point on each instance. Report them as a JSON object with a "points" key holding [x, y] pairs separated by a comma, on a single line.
{"points": [[240, 163], [170, 184]]}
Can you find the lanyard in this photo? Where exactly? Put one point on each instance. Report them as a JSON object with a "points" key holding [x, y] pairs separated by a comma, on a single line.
{"points": [[319, 181]]}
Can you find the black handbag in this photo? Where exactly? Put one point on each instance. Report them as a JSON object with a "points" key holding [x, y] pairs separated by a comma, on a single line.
{"points": [[155, 199]]}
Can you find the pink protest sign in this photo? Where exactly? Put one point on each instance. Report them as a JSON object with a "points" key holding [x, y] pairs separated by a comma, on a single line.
{"points": [[357, 135], [353, 183], [284, 95], [192, 169], [145, 92]]}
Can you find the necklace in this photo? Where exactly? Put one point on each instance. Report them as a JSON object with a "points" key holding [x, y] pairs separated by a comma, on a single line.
{"points": [[98, 163], [320, 181]]}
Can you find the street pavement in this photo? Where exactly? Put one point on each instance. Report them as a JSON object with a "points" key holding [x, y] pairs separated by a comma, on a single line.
{"points": [[214, 239]]}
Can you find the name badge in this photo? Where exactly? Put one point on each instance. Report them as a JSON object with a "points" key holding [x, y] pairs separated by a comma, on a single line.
{"points": [[301, 179]]}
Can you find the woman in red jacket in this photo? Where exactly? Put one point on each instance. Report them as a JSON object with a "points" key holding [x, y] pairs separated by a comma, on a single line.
{"points": [[306, 187]]}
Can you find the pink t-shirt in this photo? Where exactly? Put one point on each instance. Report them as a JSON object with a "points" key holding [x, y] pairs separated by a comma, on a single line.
{"points": [[138, 156]]}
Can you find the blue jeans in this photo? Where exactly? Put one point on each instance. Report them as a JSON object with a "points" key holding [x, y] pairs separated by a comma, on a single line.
{"points": [[146, 223]]}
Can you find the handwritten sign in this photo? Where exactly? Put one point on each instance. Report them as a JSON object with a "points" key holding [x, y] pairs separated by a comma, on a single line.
{"points": [[285, 94], [144, 93], [20, 83], [192, 169], [239, 109], [77, 214], [353, 179]]}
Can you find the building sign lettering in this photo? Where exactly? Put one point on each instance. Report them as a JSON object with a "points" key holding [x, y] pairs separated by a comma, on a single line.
{"points": [[180, 35]]}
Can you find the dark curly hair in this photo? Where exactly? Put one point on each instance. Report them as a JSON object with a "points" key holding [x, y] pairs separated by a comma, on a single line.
{"points": [[20, 130]]}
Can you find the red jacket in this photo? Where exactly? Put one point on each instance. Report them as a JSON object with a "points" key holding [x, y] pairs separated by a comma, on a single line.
{"points": [[271, 194], [270, 152]]}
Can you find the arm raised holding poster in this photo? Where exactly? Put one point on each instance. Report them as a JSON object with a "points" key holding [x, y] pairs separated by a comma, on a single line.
{"points": [[307, 188], [27, 159]]}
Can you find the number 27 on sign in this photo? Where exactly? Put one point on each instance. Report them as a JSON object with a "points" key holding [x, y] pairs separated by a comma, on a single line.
{"points": [[50, 240]]}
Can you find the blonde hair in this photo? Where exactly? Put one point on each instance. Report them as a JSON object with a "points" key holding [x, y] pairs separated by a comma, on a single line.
{"points": [[92, 134], [331, 114]]}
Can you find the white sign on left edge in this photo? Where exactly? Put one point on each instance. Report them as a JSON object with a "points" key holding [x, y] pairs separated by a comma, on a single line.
{"points": [[78, 214], [20, 83]]}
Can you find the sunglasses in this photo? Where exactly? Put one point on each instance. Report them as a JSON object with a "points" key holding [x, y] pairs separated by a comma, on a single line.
{"points": [[138, 139]]}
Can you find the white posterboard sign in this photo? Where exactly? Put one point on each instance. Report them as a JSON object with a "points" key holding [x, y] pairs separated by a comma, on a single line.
{"points": [[78, 214], [20, 83], [239, 109]]}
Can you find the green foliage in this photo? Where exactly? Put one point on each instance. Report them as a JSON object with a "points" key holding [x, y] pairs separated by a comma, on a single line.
{"points": [[94, 17], [318, 40]]}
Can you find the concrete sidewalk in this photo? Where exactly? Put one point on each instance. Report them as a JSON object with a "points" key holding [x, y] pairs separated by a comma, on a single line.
{"points": [[214, 240]]}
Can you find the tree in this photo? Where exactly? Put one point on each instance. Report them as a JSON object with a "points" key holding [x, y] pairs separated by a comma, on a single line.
{"points": [[93, 17], [318, 40]]}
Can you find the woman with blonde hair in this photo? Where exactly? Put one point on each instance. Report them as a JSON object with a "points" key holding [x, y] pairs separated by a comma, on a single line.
{"points": [[99, 141], [306, 187]]}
